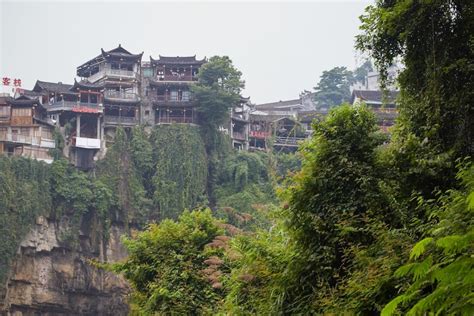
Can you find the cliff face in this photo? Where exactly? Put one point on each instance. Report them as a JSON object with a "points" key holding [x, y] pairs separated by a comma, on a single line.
{"points": [[47, 278]]}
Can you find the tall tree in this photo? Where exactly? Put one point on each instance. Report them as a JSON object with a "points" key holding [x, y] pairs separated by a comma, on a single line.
{"points": [[217, 90], [334, 197], [333, 87], [434, 40]]}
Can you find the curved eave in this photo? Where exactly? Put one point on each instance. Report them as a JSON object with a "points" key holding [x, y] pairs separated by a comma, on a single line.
{"points": [[23, 102], [240, 119], [160, 61], [131, 57], [85, 86], [82, 70]]}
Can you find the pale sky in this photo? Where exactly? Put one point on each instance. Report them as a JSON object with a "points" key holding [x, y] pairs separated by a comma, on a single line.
{"points": [[281, 47]]}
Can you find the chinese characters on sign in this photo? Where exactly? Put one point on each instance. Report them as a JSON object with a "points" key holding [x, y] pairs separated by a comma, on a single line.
{"points": [[6, 81]]}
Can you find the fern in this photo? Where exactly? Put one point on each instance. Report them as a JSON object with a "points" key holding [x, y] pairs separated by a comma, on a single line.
{"points": [[420, 248]]}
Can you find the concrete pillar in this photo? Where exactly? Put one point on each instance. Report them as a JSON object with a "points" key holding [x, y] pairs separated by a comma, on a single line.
{"points": [[78, 125], [98, 126]]}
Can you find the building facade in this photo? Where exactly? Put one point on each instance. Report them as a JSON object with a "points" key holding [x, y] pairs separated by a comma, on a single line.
{"points": [[25, 130]]}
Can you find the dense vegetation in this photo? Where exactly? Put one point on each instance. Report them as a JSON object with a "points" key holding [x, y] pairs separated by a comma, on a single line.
{"points": [[368, 225], [24, 195], [364, 224]]}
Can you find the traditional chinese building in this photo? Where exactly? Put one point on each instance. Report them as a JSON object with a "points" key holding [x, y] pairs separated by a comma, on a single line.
{"points": [[24, 128], [117, 74], [169, 88], [383, 106], [77, 111], [240, 124]]}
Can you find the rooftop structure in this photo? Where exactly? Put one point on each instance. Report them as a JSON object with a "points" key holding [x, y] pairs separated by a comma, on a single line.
{"points": [[168, 88]]}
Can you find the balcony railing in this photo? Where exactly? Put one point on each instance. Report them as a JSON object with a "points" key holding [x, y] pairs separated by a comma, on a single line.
{"points": [[238, 135], [120, 120], [259, 134], [177, 78], [171, 119], [120, 73], [107, 71], [74, 105], [288, 140], [29, 140], [168, 98], [112, 94]]}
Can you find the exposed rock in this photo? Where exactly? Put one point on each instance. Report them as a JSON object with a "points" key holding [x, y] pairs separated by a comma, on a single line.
{"points": [[48, 278]]}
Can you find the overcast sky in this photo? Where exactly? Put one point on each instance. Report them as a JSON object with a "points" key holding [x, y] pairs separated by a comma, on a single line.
{"points": [[281, 48]]}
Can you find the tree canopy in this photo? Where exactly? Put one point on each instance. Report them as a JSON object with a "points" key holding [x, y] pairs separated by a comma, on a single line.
{"points": [[333, 87], [217, 90]]}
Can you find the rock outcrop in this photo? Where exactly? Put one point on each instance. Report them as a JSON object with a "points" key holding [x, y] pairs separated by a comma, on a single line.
{"points": [[49, 278]]}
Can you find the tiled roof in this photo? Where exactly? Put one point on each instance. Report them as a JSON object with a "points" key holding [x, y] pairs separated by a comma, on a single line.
{"points": [[84, 84], [278, 105], [375, 96], [57, 87], [189, 60]]}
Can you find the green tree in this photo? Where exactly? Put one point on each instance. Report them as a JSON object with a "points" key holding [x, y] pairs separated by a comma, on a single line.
{"points": [[361, 72], [166, 266], [333, 87], [332, 202], [435, 42], [442, 265], [257, 284], [217, 90]]}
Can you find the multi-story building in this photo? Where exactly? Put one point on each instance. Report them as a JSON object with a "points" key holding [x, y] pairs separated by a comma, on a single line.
{"points": [[383, 106], [168, 89], [240, 124], [116, 74], [24, 128], [77, 111], [115, 89]]}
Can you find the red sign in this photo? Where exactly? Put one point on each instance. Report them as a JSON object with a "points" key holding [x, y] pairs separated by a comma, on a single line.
{"points": [[82, 109], [259, 134], [6, 81]]}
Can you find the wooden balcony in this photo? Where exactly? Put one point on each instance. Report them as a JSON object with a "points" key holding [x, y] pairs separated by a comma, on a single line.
{"points": [[288, 141], [259, 134], [177, 119], [27, 140], [176, 78], [120, 120], [238, 135], [121, 95], [75, 106], [112, 73], [163, 99]]}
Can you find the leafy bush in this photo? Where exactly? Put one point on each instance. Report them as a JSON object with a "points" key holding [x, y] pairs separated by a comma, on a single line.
{"points": [[166, 265]]}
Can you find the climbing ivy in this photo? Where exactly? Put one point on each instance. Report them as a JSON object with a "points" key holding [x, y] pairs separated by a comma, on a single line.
{"points": [[24, 194], [180, 175]]}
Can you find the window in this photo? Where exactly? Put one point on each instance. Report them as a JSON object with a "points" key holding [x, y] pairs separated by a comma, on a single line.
{"points": [[93, 98], [147, 113], [46, 133], [174, 95], [4, 111], [147, 72], [84, 98], [186, 95], [25, 131]]}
